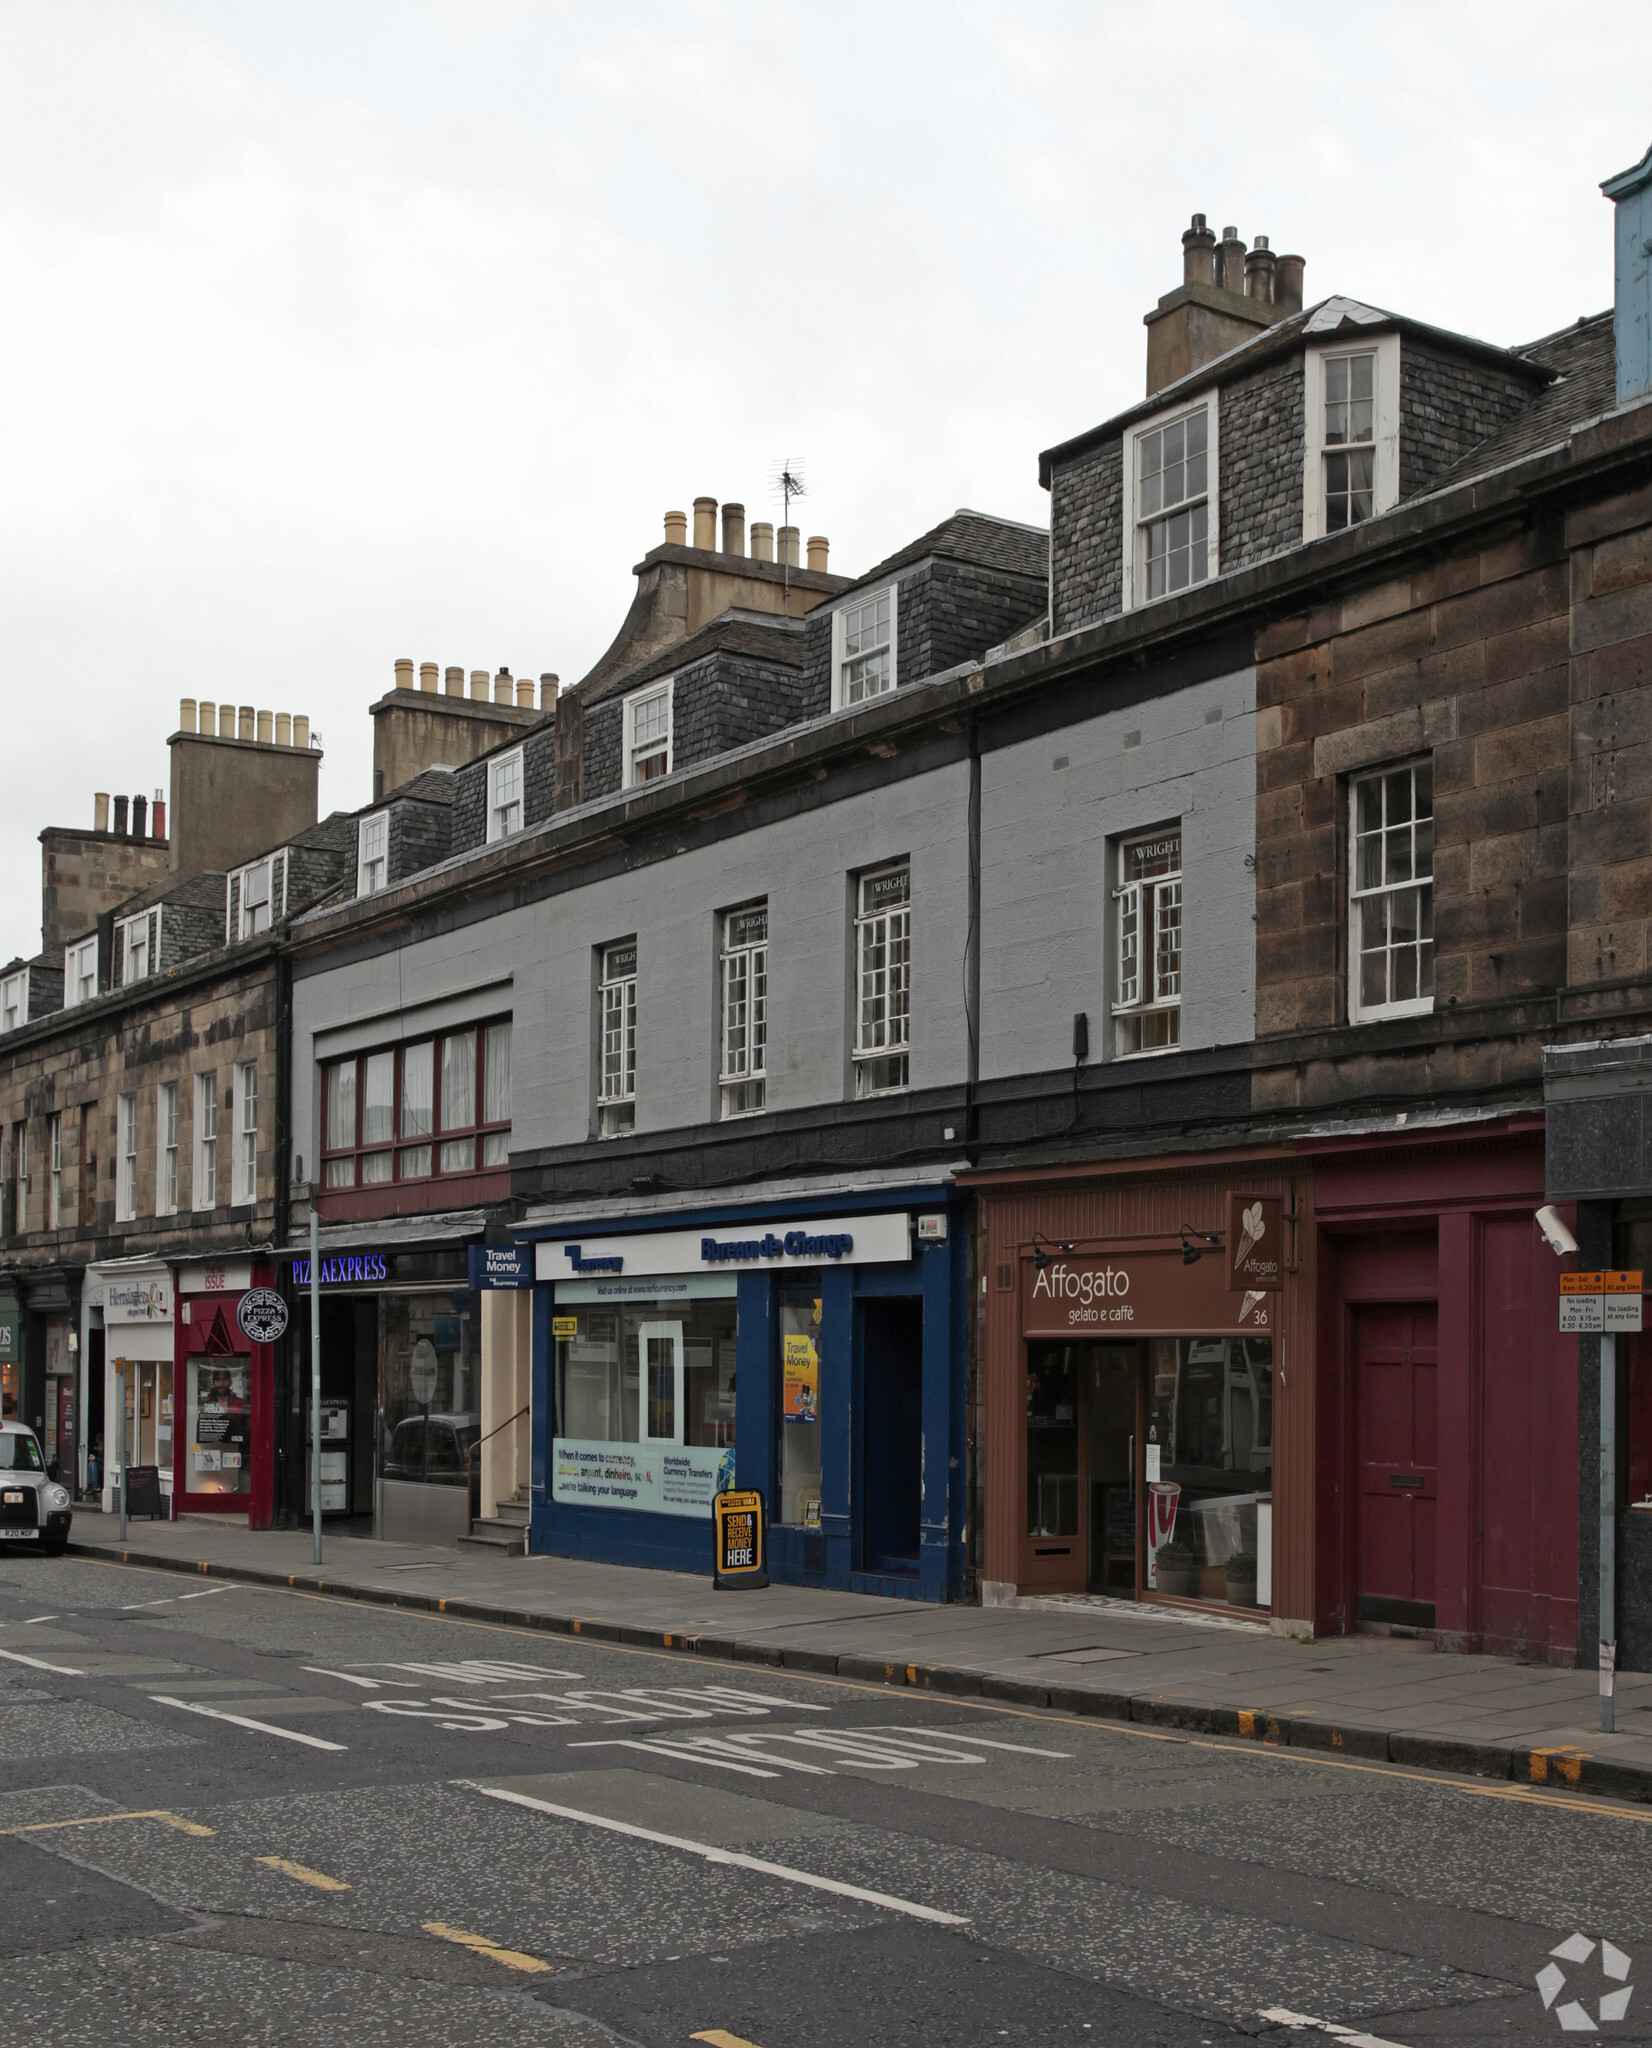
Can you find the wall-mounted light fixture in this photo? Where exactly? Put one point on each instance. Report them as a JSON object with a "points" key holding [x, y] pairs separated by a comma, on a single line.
{"points": [[1192, 1253], [1042, 1258]]}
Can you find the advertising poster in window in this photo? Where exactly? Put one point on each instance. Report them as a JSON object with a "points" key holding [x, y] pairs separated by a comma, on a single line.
{"points": [[221, 1431], [669, 1479], [800, 1377]]}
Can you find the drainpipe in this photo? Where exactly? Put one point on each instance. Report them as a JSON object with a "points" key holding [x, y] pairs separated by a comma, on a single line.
{"points": [[283, 1220]]}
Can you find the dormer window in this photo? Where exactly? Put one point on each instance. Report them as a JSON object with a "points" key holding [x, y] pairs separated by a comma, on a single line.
{"points": [[1352, 401], [1171, 542], [14, 1000], [255, 899], [863, 649], [648, 734], [80, 972], [372, 856], [140, 943], [505, 795]]}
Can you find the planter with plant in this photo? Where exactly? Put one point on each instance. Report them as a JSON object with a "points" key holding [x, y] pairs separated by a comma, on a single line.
{"points": [[1178, 1570], [1241, 1577]]}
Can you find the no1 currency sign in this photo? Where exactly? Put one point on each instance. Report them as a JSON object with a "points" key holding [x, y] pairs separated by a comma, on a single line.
{"points": [[1600, 1301]]}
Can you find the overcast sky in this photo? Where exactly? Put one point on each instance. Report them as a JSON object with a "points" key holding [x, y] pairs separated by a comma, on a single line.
{"points": [[337, 330]]}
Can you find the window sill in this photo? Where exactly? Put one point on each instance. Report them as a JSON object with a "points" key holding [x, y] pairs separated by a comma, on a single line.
{"points": [[1388, 1011]]}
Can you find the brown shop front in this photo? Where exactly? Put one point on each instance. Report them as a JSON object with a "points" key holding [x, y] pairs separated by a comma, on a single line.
{"points": [[1141, 1412]]}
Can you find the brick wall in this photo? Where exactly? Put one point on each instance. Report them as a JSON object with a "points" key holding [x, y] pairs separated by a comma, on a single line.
{"points": [[1447, 408], [1087, 537], [1464, 660], [1259, 459]]}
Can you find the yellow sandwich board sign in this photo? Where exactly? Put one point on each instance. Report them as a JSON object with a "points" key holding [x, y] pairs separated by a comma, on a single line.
{"points": [[739, 1521]]}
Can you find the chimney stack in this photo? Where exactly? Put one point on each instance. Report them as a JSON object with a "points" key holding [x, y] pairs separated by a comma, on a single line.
{"points": [[818, 547], [1198, 253], [705, 523], [1226, 297], [734, 529], [676, 529]]}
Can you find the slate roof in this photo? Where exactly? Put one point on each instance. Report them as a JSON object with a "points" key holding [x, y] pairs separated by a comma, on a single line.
{"points": [[1584, 360], [976, 537], [429, 786], [765, 636]]}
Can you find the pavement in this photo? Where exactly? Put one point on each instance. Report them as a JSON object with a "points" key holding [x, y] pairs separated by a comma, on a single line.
{"points": [[1376, 1697]]}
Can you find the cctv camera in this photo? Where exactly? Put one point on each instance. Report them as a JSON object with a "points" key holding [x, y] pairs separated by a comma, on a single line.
{"points": [[1558, 1238]]}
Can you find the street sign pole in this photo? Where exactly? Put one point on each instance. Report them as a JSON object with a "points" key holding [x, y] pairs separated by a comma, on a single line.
{"points": [[120, 1375], [1608, 1532], [315, 1367]]}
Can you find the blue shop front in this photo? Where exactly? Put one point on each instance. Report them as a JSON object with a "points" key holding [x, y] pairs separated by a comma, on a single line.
{"points": [[814, 1355]]}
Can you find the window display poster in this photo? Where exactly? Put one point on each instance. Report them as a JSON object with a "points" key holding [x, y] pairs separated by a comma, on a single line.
{"points": [[800, 1377], [670, 1479]]}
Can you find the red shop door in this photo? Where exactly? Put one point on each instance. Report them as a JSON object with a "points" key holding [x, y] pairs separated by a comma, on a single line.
{"points": [[1396, 1353]]}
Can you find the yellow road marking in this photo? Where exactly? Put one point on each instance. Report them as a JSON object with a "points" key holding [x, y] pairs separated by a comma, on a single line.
{"points": [[92, 1820], [305, 1874], [512, 1958], [720, 2039], [1602, 1806]]}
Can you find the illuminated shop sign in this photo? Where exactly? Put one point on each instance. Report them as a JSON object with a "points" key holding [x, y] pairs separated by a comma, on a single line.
{"points": [[796, 1244], [824, 1240], [342, 1268]]}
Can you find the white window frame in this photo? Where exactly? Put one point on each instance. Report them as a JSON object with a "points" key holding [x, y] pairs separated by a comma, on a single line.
{"points": [[206, 1141], [887, 1040], [1385, 483], [499, 811], [1360, 1012], [166, 1148], [665, 1333], [151, 958], [841, 699], [636, 702], [1147, 991], [245, 1114], [743, 1021], [617, 1041], [378, 828], [14, 1000], [54, 1182], [244, 928], [74, 959], [1134, 588], [126, 1157]]}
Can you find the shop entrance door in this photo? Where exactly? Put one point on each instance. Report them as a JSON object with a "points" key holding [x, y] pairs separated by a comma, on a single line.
{"points": [[1396, 1355], [892, 1438], [1084, 1403]]}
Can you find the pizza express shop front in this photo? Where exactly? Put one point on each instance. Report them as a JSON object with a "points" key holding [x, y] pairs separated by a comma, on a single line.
{"points": [[817, 1358]]}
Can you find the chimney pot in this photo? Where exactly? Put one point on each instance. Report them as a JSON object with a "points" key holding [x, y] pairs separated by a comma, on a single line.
{"points": [[186, 715], [266, 728], [404, 673], [676, 529], [226, 721], [478, 685], [819, 547], [100, 811], [548, 687], [429, 677], [524, 693], [1198, 253], [1287, 282], [248, 716], [1230, 262], [1259, 272], [504, 690], [705, 523], [209, 719], [762, 541], [120, 817], [140, 818], [734, 529], [283, 728], [788, 545], [453, 682]]}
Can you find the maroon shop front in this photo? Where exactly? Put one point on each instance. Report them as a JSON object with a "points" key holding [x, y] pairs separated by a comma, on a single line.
{"points": [[1446, 1401], [224, 1434]]}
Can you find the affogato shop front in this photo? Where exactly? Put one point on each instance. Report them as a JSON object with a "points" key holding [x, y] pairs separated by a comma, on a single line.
{"points": [[1143, 1387]]}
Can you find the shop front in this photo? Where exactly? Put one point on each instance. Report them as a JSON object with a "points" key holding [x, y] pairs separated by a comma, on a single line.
{"points": [[1147, 1388], [11, 1355], [132, 1306], [221, 1409], [401, 1359], [814, 1357]]}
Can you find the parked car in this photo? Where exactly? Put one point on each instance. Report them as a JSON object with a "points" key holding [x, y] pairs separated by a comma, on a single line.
{"points": [[33, 1507], [431, 1448]]}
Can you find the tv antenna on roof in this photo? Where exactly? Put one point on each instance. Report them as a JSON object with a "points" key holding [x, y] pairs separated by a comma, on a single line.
{"points": [[785, 483]]}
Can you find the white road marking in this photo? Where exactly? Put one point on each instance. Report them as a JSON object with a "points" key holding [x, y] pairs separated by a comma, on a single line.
{"points": [[678, 1753], [1350, 2037], [162, 1699], [711, 1854], [33, 1618], [973, 1741], [40, 1664], [477, 1671], [349, 1677], [172, 1599]]}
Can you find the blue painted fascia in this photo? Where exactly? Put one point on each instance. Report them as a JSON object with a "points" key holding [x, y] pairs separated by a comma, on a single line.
{"points": [[1631, 195]]}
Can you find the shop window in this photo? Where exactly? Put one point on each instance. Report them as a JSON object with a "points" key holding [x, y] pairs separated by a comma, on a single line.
{"points": [[206, 1141], [54, 1178], [800, 1464], [430, 1366], [218, 1419], [617, 1082], [1147, 912], [166, 1149], [437, 1105], [1391, 892], [126, 1159], [745, 1032], [246, 1132], [651, 1372], [647, 716], [1211, 1423], [1052, 1442], [883, 957]]}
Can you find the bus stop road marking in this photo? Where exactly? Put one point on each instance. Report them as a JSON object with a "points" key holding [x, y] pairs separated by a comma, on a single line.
{"points": [[162, 1699]]}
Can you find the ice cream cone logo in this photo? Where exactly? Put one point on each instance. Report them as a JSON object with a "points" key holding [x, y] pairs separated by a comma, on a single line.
{"points": [[1252, 1234]]}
